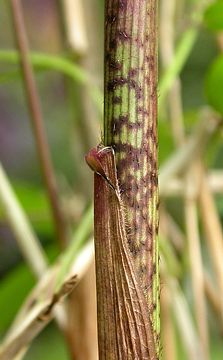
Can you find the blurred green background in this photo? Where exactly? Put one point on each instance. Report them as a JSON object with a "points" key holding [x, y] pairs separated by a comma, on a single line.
{"points": [[69, 129]]}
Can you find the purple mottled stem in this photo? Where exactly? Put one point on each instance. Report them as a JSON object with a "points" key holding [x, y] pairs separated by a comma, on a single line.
{"points": [[130, 127]]}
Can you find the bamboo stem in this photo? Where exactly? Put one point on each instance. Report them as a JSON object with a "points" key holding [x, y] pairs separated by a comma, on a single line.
{"points": [[130, 127], [125, 325]]}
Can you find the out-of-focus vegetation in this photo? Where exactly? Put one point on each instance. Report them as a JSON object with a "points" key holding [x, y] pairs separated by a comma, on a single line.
{"points": [[69, 81]]}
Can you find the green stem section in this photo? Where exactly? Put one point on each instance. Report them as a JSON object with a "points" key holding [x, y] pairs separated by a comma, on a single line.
{"points": [[130, 127], [22, 229]]}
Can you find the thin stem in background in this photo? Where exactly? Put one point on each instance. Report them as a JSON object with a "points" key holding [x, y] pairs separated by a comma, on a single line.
{"points": [[169, 266], [214, 299], [167, 324], [168, 33], [184, 321], [182, 53], [177, 238], [57, 274], [195, 145], [213, 233], [26, 238], [75, 25], [191, 218], [81, 23], [196, 261], [176, 186], [37, 122]]}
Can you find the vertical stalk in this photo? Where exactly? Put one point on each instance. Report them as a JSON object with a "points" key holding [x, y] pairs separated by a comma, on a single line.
{"points": [[130, 127], [37, 122]]}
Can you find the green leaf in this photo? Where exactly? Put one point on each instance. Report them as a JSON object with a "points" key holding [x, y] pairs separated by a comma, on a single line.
{"points": [[213, 16], [214, 84], [43, 347], [14, 288]]}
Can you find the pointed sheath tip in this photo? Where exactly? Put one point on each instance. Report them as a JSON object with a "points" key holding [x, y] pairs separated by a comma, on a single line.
{"points": [[94, 156], [93, 159]]}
